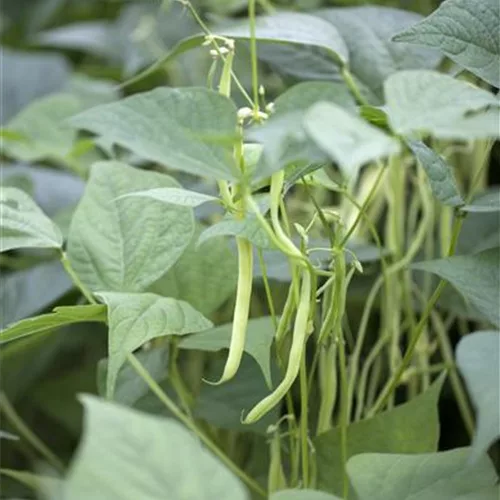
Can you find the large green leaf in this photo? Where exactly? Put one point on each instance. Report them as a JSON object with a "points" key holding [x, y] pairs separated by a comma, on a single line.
{"points": [[175, 196], [181, 129], [293, 28], [466, 31], [437, 104], [439, 173], [302, 495], [43, 133], [348, 140], [475, 276], [223, 405], [260, 333], [136, 318], [23, 224], [412, 427], [145, 457], [205, 276], [430, 476], [64, 315], [367, 31], [126, 244], [478, 358]]}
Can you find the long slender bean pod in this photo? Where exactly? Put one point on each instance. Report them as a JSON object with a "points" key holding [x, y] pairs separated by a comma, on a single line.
{"points": [[296, 353]]}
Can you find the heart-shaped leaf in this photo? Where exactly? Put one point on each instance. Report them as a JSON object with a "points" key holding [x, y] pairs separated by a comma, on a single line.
{"points": [[127, 244]]}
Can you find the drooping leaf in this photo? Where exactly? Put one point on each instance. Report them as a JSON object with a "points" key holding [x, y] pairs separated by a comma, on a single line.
{"points": [[130, 388], [173, 127], [174, 196], [27, 76], [24, 293], [367, 31], [145, 457], [23, 224], [125, 245], [439, 173], [466, 31], [489, 201], [347, 139], [437, 104], [430, 476], [478, 358], [260, 333], [136, 318], [205, 276], [475, 276], [302, 96], [412, 427], [293, 28], [41, 124], [305, 494], [223, 405], [64, 315]]}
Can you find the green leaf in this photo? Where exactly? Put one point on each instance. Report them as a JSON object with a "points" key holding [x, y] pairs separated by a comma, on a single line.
{"points": [[178, 128], [64, 315], [136, 318], [92, 91], [302, 96], [126, 245], [478, 358], [412, 427], [430, 476], [174, 196], [367, 31], [23, 224], [293, 28], [145, 457], [466, 31], [223, 405], [260, 334], [205, 276], [437, 104], [130, 387], [488, 201], [42, 125], [439, 173], [302, 495], [347, 139], [475, 276]]}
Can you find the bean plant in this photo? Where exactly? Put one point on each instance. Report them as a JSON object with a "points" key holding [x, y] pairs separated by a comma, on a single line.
{"points": [[288, 264]]}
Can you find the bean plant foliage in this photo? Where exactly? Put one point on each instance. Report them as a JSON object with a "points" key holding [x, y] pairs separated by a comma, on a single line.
{"points": [[250, 250]]}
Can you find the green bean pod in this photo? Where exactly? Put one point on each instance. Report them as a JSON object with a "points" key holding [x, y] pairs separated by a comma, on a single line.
{"points": [[295, 357], [241, 310]]}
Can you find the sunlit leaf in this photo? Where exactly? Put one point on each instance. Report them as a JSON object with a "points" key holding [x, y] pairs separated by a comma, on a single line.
{"points": [[174, 196]]}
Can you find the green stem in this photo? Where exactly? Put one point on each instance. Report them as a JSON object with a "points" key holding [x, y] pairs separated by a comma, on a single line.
{"points": [[351, 84], [304, 426], [253, 57], [269, 295], [171, 406], [344, 415], [20, 426], [76, 280]]}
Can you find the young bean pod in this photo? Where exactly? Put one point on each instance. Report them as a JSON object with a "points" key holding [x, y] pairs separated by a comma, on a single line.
{"points": [[241, 310], [295, 357]]}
